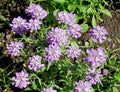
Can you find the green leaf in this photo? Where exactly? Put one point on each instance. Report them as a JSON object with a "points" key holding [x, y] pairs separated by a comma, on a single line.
{"points": [[60, 1], [55, 11], [85, 28], [105, 11], [117, 76], [94, 21], [71, 7], [49, 65], [115, 89]]}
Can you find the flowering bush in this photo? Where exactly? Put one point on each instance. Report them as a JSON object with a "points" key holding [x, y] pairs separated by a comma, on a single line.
{"points": [[47, 52]]}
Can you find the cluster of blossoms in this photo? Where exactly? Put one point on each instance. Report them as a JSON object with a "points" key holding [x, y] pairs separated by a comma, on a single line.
{"points": [[93, 76], [14, 48], [73, 52], [36, 12], [69, 19], [74, 30], [20, 25], [66, 18], [53, 52], [96, 57], [35, 63], [98, 34], [21, 80], [83, 87], [58, 36], [49, 90]]}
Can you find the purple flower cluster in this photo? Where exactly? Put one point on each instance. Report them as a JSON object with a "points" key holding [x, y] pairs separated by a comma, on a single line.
{"points": [[49, 90], [21, 80], [34, 24], [65, 17], [53, 52], [20, 25], [14, 48], [35, 63], [83, 87], [73, 52], [36, 11], [58, 36], [93, 75], [74, 30], [98, 34], [96, 57]]}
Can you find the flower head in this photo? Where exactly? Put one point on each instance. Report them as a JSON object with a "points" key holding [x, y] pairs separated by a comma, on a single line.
{"points": [[93, 76], [65, 17], [73, 51], [14, 48], [49, 90], [21, 80], [58, 36], [96, 56], [35, 62], [34, 24], [98, 34], [83, 87], [19, 25], [36, 11], [74, 30], [53, 52]]}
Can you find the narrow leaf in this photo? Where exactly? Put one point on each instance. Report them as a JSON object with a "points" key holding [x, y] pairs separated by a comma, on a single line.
{"points": [[94, 21]]}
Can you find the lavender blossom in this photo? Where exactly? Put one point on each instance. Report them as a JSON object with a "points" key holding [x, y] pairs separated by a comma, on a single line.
{"points": [[53, 52], [98, 34], [73, 52], [49, 90], [83, 87], [105, 72], [36, 12], [35, 63], [21, 80], [96, 56], [14, 48], [93, 76], [74, 30], [58, 36], [65, 17], [19, 25], [34, 24]]}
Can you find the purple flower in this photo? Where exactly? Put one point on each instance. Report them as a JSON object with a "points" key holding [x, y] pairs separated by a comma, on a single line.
{"points": [[34, 24], [19, 25], [83, 87], [49, 90], [21, 80], [58, 36], [36, 11], [65, 17], [73, 52], [96, 56], [74, 30], [14, 48], [53, 52], [105, 72], [98, 34], [35, 62], [93, 75]]}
